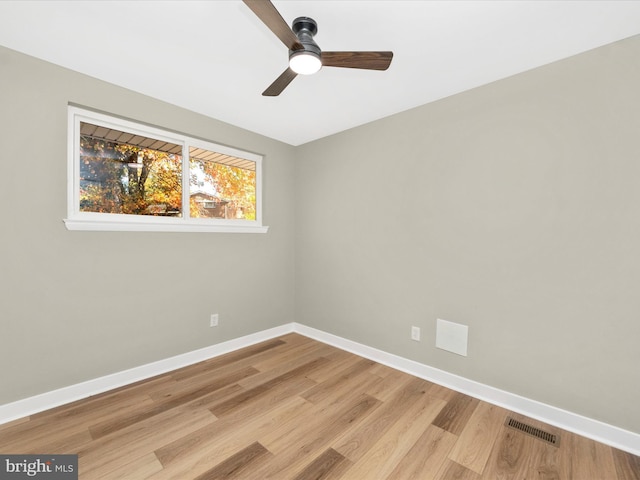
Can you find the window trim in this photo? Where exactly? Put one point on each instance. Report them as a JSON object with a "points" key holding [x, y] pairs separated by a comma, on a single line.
{"points": [[94, 221]]}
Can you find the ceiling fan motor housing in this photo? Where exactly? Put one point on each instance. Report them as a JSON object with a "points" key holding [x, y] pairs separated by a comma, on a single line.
{"points": [[305, 28]]}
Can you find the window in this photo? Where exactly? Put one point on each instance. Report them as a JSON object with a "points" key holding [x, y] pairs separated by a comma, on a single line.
{"points": [[128, 176]]}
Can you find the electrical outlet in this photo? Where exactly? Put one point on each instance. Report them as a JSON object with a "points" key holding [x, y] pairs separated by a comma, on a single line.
{"points": [[415, 333], [214, 320]]}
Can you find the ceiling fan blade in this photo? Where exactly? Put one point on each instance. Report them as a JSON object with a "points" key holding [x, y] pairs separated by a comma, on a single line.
{"points": [[266, 11], [280, 83], [366, 60]]}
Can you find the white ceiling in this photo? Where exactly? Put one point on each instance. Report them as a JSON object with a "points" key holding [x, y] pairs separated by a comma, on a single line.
{"points": [[216, 57]]}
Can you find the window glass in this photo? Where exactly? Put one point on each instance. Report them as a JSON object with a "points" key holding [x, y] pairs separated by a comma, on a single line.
{"points": [[221, 186], [128, 174]]}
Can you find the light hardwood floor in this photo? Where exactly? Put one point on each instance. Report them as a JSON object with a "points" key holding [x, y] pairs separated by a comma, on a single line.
{"points": [[294, 408]]}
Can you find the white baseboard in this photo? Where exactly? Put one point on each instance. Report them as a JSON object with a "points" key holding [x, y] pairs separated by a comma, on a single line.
{"points": [[55, 398], [586, 427], [596, 430]]}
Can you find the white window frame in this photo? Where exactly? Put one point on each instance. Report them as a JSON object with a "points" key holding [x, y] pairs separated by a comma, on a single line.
{"points": [[77, 220]]}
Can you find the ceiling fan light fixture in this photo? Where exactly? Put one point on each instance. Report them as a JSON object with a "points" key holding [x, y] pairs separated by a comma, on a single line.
{"points": [[305, 62]]}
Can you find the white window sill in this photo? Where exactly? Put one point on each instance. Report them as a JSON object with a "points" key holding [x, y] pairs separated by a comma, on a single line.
{"points": [[116, 226]]}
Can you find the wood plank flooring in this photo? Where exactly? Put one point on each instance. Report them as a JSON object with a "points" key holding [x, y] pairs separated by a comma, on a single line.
{"points": [[294, 408]]}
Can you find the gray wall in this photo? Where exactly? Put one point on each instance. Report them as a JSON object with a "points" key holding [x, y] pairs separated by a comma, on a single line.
{"points": [[514, 209], [79, 305]]}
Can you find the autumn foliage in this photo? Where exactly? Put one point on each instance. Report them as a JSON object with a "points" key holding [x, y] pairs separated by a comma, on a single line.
{"points": [[127, 179]]}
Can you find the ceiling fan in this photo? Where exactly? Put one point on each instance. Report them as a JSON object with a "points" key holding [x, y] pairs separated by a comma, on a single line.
{"points": [[305, 56]]}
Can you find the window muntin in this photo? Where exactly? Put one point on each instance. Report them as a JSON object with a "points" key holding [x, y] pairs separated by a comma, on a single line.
{"points": [[129, 176]]}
